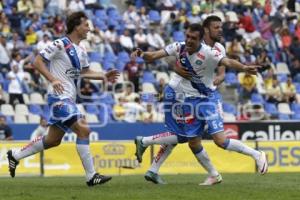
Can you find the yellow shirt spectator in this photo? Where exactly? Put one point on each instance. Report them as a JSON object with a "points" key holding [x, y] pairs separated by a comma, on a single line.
{"points": [[25, 6], [247, 81]]}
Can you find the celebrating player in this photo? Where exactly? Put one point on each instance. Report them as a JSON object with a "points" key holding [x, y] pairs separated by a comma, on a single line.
{"points": [[201, 61], [67, 62]]}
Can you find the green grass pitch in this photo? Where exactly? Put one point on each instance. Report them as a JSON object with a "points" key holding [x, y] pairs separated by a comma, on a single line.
{"points": [[272, 186]]}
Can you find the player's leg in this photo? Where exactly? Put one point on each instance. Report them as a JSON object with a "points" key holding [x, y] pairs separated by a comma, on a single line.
{"points": [[152, 174], [52, 139], [238, 146], [194, 129], [167, 137], [80, 127]]}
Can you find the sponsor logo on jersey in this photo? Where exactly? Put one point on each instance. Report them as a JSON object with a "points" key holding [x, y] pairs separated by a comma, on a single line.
{"points": [[199, 62], [73, 73]]}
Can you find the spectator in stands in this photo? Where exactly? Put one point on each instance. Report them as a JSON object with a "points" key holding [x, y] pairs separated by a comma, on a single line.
{"points": [[15, 87], [132, 73], [98, 41], [248, 86], [235, 49], [44, 30], [143, 18], [269, 77], [133, 111], [129, 95], [248, 58], [16, 43], [295, 47], [59, 26], [295, 67], [5, 27], [31, 37], [4, 55], [160, 89], [53, 7], [155, 40], [119, 110], [25, 7], [229, 29], [86, 90], [76, 5], [131, 19], [15, 20], [112, 37], [126, 41], [38, 83], [289, 91], [247, 28], [41, 130], [286, 38], [92, 4], [5, 130], [140, 39], [273, 92], [43, 43], [263, 60], [2, 98], [297, 30], [21, 62], [194, 18], [149, 115], [265, 28]]}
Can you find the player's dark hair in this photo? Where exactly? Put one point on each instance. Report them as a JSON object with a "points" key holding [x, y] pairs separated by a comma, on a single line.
{"points": [[210, 19], [74, 20], [197, 27]]}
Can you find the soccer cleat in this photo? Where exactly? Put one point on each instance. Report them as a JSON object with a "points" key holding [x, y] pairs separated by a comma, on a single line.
{"points": [[155, 178], [212, 180], [262, 163], [12, 163], [140, 149], [98, 179]]}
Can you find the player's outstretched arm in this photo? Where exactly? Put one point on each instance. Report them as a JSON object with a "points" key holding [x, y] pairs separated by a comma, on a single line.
{"points": [[111, 75], [231, 63], [40, 65], [149, 56], [220, 76]]}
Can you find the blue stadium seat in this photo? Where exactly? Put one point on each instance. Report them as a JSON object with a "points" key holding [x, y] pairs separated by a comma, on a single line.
{"points": [[108, 65], [92, 109], [123, 56], [154, 16], [105, 114], [296, 116], [120, 65], [148, 77], [295, 107], [178, 36], [9, 119], [283, 116], [257, 98], [113, 14], [140, 60], [46, 110], [35, 109], [101, 14], [282, 78], [297, 85], [108, 99], [110, 56], [231, 78], [95, 57], [271, 108], [148, 98], [100, 24], [229, 108]]}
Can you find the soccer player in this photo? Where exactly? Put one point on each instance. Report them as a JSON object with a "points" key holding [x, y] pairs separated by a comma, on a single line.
{"points": [[201, 61], [212, 36], [67, 61]]}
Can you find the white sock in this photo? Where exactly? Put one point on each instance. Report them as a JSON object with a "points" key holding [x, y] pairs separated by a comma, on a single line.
{"points": [[83, 150], [204, 160], [238, 146], [162, 138], [35, 146], [163, 153]]}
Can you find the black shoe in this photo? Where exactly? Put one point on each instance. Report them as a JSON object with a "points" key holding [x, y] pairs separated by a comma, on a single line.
{"points": [[12, 163], [98, 179]]}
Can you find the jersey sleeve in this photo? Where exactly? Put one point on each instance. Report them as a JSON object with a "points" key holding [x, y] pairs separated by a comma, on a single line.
{"points": [[52, 49], [173, 49], [85, 59]]}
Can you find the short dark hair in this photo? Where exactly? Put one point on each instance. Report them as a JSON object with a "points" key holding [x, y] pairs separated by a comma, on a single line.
{"points": [[196, 27], [210, 19], [74, 20]]}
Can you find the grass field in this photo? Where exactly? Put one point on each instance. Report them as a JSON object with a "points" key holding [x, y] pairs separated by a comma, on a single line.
{"points": [[235, 186]]}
